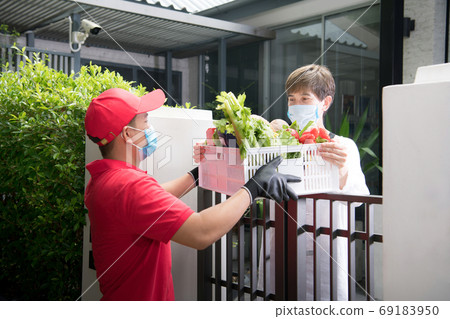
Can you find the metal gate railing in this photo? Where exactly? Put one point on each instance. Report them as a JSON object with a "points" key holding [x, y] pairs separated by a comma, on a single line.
{"points": [[232, 268], [10, 59]]}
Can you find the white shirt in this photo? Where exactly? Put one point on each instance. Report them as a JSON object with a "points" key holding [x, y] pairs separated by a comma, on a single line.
{"points": [[355, 185]]}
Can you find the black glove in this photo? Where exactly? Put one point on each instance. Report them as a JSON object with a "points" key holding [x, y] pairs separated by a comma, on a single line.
{"points": [[267, 182], [194, 174]]}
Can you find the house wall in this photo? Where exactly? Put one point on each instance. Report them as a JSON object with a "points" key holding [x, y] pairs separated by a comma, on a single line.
{"points": [[426, 44]]}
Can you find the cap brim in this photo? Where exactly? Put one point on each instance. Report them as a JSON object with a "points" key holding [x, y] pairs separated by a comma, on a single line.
{"points": [[151, 101]]}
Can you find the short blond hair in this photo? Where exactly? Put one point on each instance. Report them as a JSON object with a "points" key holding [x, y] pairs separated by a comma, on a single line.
{"points": [[316, 78]]}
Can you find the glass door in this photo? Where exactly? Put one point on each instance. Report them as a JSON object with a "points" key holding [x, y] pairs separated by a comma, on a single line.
{"points": [[351, 51]]}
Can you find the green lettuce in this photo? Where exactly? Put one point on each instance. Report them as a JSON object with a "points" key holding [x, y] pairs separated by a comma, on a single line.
{"points": [[250, 132]]}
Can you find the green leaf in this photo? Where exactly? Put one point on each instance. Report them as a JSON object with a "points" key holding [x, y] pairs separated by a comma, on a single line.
{"points": [[345, 126], [369, 142], [328, 123], [369, 151], [294, 126], [372, 138], [370, 166], [320, 140], [306, 127], [360, 125]]}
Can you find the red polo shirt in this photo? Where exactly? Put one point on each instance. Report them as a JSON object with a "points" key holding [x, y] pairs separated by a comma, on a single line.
{"points": [[132, 221]]}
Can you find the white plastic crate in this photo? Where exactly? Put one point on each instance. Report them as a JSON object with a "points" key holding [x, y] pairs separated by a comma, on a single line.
{"points": [[223, 170]]}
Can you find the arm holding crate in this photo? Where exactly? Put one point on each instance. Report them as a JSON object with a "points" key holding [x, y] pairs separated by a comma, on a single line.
{"points": [[202, 229]]}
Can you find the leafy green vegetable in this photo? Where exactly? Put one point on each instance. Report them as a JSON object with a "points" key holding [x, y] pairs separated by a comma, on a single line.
{"points": [[250, 132], [295, 126], [306, 127], [223, 126], [320, 140], [285, 137], [263, 132]]}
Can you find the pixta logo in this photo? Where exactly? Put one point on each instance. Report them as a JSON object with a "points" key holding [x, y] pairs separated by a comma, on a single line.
{"points": [[161, 157]]}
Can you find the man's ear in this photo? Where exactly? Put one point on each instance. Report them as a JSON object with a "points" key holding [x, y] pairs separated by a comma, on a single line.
{"points": [[327, 103], [126, 135]]}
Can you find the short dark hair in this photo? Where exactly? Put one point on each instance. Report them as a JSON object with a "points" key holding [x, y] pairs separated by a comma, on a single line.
{"points": [[106, 149], [316, 78]]}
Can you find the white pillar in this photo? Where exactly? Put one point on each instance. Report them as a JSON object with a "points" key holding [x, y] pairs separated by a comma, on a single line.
{"points": [[416, 187]]}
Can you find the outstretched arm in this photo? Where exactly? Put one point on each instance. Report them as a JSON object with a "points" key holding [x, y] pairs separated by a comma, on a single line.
{"points": [[201, 230], [180, 186]]}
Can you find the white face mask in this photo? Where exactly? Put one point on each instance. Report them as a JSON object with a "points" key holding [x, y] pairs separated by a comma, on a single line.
{"points": [[303, 114]]}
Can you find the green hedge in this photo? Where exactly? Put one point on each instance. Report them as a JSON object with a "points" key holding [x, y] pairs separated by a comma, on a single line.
{"points": [[42, 145]]}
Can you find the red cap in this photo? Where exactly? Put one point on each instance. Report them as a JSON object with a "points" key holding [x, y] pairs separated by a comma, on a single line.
{"points": [[115, 108]]}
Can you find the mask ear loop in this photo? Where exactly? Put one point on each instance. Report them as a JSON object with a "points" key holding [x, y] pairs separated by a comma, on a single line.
{"points": [[128, 147], [127, 141], [137, 129]]}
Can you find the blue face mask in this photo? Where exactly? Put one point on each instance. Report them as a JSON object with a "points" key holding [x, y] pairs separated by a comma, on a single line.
{"points": [[152, 142], [303, 114]]}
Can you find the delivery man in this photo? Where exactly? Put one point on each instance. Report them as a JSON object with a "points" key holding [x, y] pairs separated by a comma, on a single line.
{"points": [[133, 218]]}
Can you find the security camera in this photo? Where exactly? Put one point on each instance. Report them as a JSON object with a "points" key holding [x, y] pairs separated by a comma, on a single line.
{"points": [[78, 37], [90, 27]]}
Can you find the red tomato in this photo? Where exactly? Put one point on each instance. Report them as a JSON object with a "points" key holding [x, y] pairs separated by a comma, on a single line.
{"points": [[324, 134], [307, 138], [293, 132], [210, 132], [209, 136], [314, 131]]}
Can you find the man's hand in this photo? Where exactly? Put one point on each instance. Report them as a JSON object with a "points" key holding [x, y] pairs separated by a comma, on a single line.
{"points": [[336, 154], [268, 183], [199, 151]]}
